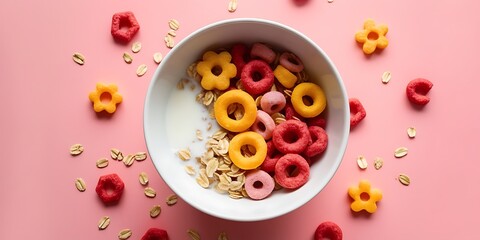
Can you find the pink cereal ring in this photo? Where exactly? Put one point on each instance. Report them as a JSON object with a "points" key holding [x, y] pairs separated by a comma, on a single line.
{"points": [[263, 125], [291, 136], [417, 90], [328, 230], [273, 102], [258, 184], [318, 121], [262, 51], [291, 62], [357, 112], [319, 141], [240, 57], [257, 77], [283, 171], [271, 159]]}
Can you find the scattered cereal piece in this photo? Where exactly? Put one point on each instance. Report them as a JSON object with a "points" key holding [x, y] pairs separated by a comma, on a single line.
{"points": [[386, 76], [102, 163], [365, 198], [411, 132], [124, 234], [140, 156], [328, 230], [155, 234], [329, 1], [172, 33], [232, 5], [404, 179], [155, 211], [110, 188], [400, 152], [108, 91], [378, 163], [184, 154], [128, 160], [124, 27], [116, 154], [190, 170], [193, 234], [157, 57], [174, 24], [150, 192], [223, 236], [372, 36], [141, 70], [80, 185], [127, 58], [78, 58], [169, 42], [136, 47], [103, 222], [76, 149], [143, 178], [362, 162], [357, 112], [172, 199], [417, 90]]}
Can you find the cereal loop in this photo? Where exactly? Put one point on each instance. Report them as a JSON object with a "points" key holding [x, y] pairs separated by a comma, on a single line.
{"points": [[257, 77], [312, 91], [124, 27], [291, 62], [262, 51], [417, 90], [263, 125], [319, 141], [110, 92], [357, 112], [291, 136], [231, 97], [372, 36], [288, 179], [110, 188], [271, 159], [247, 138], [285, 77], [216, 70], [155, 234], [328, 230], [259, 184], [273, 102], [364, 197]]}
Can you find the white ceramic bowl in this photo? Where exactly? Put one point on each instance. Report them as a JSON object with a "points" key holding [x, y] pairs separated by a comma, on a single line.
{"points": [[171, 118]]}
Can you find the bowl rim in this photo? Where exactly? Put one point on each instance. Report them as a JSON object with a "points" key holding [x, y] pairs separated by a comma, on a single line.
{"points": [[344, 137]]}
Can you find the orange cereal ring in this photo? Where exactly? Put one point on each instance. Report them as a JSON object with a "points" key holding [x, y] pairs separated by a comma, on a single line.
{"points": [[247, 138], [221, 110], [315, 93], [216, 70], [108, 92]]}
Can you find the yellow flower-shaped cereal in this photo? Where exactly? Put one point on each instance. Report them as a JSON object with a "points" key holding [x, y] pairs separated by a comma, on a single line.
{"points": [[372, 36], [105, 98], [364, 198], [216, 70]]}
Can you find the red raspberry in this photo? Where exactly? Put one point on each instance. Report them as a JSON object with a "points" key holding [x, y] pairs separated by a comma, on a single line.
{"points": [[417, 89], [155, 234], [110, 188], [124, 27], [357, 112]]}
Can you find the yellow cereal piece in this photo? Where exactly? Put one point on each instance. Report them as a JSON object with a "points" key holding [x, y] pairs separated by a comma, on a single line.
{"points": [[285, 77], [110, 93], [364, 197], [221, 110], [252, 139], [216, 70], [312, 91], [372, 36]]}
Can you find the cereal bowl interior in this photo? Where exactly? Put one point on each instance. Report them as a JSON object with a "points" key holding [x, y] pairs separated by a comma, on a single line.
{"points": [[172, 117]]}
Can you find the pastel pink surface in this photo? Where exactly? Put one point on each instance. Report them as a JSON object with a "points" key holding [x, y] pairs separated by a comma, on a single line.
{"points": [[46, 109]]}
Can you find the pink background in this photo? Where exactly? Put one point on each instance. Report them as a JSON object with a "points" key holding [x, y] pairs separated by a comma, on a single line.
{"points": [[45, 109]]}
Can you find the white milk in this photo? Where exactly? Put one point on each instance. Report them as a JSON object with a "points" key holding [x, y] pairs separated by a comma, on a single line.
{"points": [[184, 116]]}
